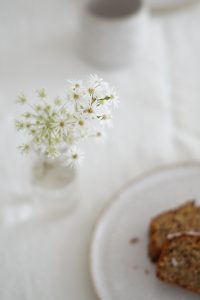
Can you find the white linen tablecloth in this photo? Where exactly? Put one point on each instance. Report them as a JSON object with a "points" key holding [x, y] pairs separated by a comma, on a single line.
{"points": [[157, 124]]}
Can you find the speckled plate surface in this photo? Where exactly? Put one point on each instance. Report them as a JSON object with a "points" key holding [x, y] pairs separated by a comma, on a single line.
{"points": [[120, 266]]}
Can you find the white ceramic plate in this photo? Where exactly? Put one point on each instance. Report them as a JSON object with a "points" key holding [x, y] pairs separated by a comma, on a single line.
{"points": [[121, 269], [165, 5]]}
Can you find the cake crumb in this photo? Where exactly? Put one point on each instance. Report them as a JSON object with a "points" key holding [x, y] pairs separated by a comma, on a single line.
{"points": [[147, 272], [134, 240], [135, 267]]}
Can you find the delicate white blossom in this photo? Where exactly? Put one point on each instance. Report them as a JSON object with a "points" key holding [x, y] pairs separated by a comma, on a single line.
{"points": [[21, 99], [100, 135], [55, 127], [24, 148], [74, 157], [58, 101], [42, 93], [95, 80], [76, 84], [114, 98]]}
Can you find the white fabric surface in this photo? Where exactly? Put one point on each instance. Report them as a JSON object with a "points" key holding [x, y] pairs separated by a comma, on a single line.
{"points": [[157, 124]]}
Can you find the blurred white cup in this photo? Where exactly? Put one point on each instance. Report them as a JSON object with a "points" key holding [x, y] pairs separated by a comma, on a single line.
{"points": [[113, 32]]}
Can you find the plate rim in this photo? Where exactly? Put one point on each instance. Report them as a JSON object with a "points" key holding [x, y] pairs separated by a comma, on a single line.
{"points": [[115, 197], [160, 9]]}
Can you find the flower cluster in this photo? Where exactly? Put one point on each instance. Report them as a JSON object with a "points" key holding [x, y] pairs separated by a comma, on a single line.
{"points": [[55, 128]]}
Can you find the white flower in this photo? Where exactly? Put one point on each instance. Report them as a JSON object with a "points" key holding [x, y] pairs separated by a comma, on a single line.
{"points": [[52, 152], [106, 120], [61, 126], [22, 99], [20, 125], [88, 109], [114, 100], [100, 135], [74, 95], [42, 93], [95, 80], [74, 157], [81, 120], [101, 90], [91, 112], [54, 127], [24, 148], [58, 101], [93, 86], [27, 115], [105, 116], [76, 91], [75, 85]]}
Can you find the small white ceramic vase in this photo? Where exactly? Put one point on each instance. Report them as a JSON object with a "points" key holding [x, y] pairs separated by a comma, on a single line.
{"points": [[113, 32]]}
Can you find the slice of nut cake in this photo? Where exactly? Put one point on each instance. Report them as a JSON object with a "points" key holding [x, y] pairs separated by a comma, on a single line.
{"points": [[182, 219], [179, 262]]}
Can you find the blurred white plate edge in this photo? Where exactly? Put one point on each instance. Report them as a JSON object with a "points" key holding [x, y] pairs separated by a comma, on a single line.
{"points": [[114, 202]]}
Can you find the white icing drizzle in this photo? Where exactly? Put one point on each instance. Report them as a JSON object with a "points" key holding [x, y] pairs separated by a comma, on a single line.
{"points": [[178, 234], [174, 262]]}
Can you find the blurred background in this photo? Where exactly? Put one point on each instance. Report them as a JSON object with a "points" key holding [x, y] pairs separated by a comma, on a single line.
{"points": [[44, 43], [150, 53]]}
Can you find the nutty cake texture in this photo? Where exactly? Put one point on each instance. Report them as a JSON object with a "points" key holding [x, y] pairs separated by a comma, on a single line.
{"points": [[182, 219], [179, 262]]}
